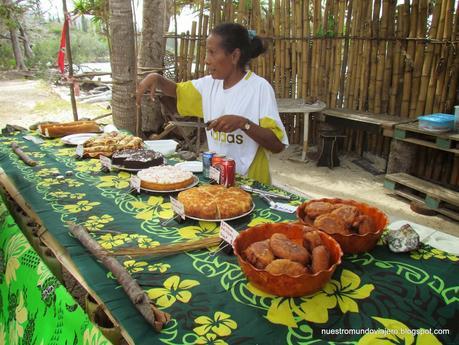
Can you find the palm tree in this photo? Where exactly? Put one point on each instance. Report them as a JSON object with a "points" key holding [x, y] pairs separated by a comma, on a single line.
{"points": [[123, 63], [152, 48]]}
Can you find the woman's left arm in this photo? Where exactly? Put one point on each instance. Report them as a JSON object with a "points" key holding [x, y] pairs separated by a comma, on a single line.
{"points": [[263, 136]]}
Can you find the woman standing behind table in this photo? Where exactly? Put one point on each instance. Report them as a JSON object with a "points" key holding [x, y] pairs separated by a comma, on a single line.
{"points": [[241, 106]]}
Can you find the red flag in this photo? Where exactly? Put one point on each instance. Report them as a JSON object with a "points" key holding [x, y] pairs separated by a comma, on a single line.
{"points": [[61, 54]]}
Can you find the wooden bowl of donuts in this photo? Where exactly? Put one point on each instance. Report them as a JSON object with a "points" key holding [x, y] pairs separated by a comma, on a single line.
{"points": [[286, 259], [356, 226]]}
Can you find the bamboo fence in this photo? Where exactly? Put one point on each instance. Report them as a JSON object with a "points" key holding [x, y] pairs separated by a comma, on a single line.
{"points": [[375, 56]]}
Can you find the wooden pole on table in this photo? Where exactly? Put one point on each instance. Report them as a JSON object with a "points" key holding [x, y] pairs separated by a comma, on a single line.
{"points": [[153, 315], [68, 51]]}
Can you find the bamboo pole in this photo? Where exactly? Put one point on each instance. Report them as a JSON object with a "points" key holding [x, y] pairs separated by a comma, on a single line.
{"points": [[361, 87], [202, 43], [353, 57], [380, 57], [397, 70], [191, 52], [434, 71], [277, 47], [345, 55], [419, 57], [426, 67], [373, 56], [451, 95], [409, 60], [200, 36], [446, 59], [338, 57], [389, 58], [316, 50], [305, 61]]}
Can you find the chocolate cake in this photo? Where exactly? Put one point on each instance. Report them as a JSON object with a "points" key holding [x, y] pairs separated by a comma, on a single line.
{"points": [[137, 158]]}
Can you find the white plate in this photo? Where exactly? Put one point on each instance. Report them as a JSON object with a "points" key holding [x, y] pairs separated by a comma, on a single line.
{"points": [[225, 219], [119, 167], [194, 183], [193, 166], [77, 139]]}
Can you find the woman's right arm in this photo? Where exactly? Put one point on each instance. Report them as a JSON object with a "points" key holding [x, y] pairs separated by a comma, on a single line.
{"points": [[155, 81]]}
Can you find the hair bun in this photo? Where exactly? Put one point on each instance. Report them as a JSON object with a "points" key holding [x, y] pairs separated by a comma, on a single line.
{"points": [[257, 46]]}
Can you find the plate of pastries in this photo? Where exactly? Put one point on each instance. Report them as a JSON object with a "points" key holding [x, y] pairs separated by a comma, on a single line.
{"points": [[356, 226], [108, 143], [287, 259], [216, 203]]}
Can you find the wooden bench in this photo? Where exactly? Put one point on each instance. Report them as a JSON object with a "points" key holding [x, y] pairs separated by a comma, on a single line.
{"points": [[373, 123]]}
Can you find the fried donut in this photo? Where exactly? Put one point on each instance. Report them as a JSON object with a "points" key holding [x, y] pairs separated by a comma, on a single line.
{"points": [[285, 266], [320, 259], [259, 254], [365, 225], [348, 213], [331, 224], [311, 239], [316, 208], [284, 248]]}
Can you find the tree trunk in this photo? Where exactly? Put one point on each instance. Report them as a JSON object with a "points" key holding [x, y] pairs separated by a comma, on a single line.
{"points": [[20, 64], [123, 63], [151, 55], [26, 42]]}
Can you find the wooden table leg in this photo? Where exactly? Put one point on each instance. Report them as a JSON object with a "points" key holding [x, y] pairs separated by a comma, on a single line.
{"points": [[305, 136]]}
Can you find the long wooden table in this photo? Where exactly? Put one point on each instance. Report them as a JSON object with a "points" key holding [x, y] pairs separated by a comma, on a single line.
{"points": [[205, 291]]}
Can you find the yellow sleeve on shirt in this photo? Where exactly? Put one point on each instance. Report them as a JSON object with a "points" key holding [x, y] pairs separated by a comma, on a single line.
{"points": [[189, 100], [259, 169]]}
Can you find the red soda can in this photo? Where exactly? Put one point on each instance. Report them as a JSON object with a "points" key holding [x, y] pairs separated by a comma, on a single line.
{"points": [[227, 172], [217, 159]]}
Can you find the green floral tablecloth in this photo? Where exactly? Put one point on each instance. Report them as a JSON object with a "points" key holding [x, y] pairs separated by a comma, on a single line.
{"points": [[377, 297], [35, 308]]}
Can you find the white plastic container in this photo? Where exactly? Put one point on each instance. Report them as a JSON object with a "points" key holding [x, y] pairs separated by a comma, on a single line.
{"points": [[166, 147]]}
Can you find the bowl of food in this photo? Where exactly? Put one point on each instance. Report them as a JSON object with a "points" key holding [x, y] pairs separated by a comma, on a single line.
{"points": [[286, 259], [356, 226]]}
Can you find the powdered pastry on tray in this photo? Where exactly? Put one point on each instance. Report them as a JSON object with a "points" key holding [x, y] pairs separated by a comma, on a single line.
{"points": [[165, 178]]}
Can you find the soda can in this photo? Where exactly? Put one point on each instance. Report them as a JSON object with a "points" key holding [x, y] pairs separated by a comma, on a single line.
{"points": [[217, 159], [227, 172], [207, 162]]}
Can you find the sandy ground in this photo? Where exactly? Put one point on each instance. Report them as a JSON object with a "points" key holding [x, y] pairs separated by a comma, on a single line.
{"points": [[24, 102]]}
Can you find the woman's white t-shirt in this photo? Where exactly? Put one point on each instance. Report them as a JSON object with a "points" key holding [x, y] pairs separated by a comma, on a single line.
{"points": [[252, 97]]}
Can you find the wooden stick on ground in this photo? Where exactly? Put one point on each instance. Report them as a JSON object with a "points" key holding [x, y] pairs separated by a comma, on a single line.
{"points": [[153, 315], [26, 159]]}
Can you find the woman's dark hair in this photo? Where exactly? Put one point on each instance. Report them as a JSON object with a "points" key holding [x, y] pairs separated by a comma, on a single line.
{"points": [[236, 36]]}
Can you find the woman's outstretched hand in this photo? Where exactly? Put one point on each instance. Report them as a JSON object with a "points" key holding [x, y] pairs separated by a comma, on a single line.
{"points": [[148, 83]]}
